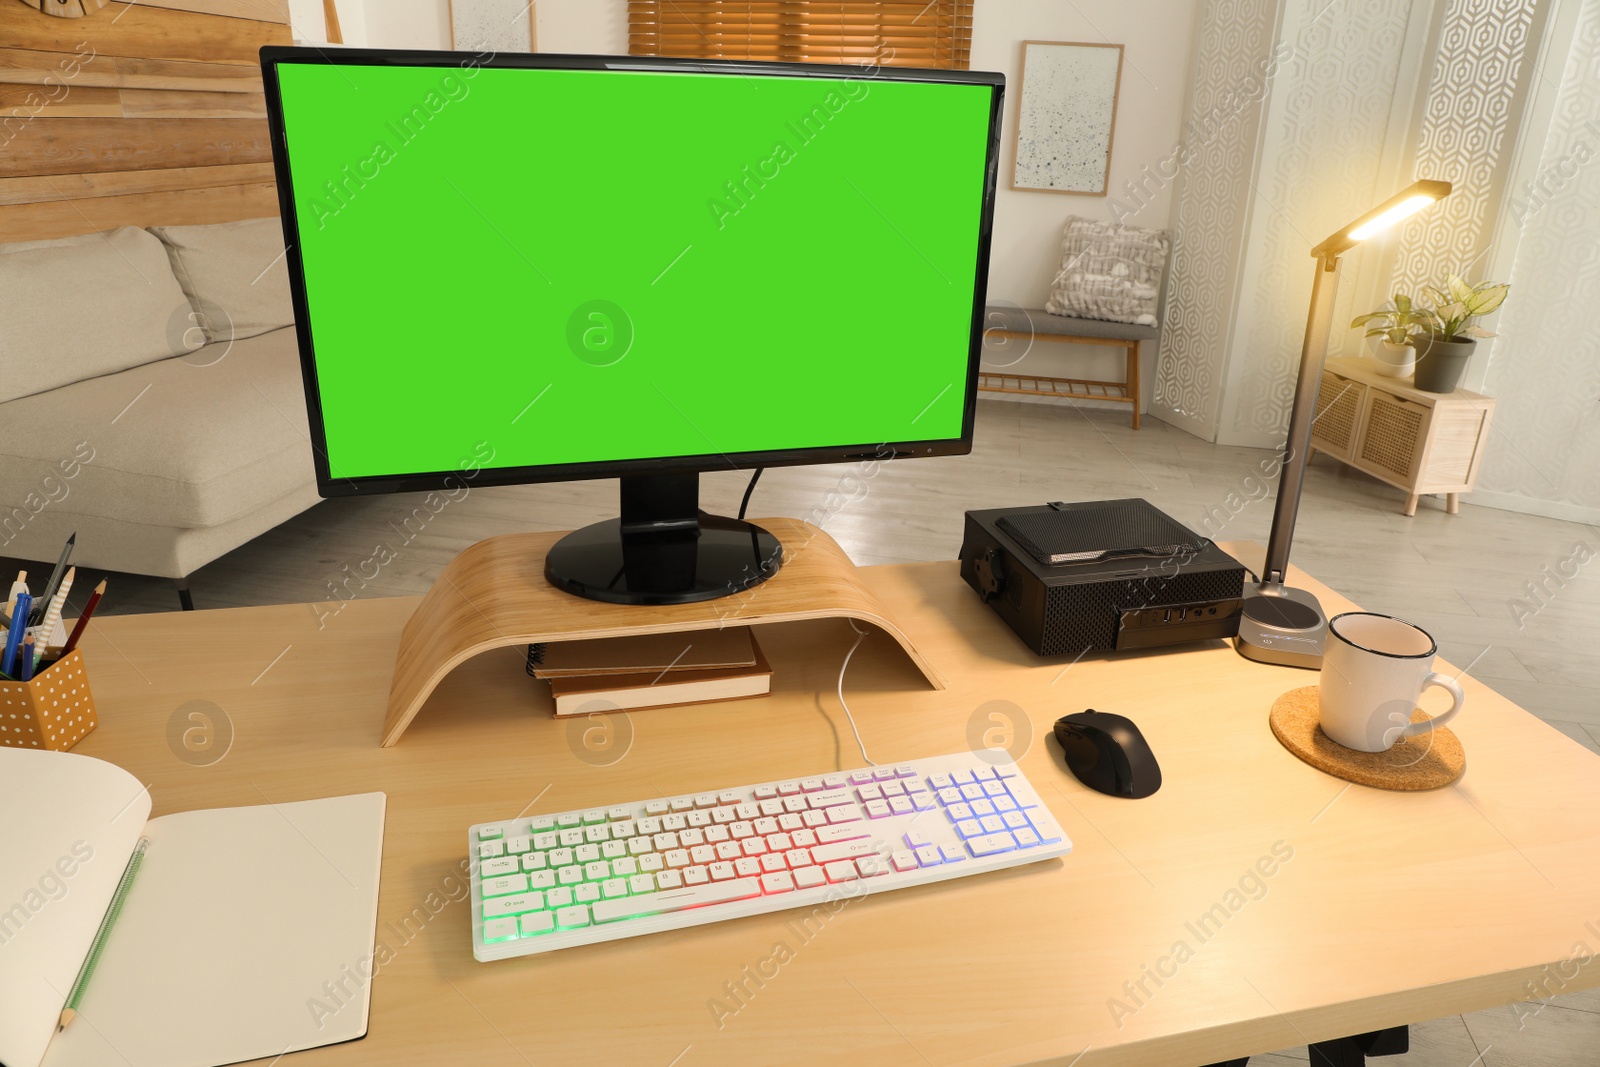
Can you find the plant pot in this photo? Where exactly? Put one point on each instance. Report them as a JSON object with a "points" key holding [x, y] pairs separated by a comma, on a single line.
{"points": [[1441, 363], [1396, 361]]}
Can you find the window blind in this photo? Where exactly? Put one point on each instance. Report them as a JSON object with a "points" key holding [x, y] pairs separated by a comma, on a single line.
{"points": [[902, 33]]}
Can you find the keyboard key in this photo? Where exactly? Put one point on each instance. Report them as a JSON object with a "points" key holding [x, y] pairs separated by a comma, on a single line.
{"points": [[959, 812], [972, 791], [496, 867], [730, 797], [542, 822], [915, 785], [716, 833], [1015, 820], [829, 798], [535, 861], [501, 887], [677, 900], [540, 922], [892, 789], [814, 818], [794, 804], [490, 849], [699, 818], [663, 842], [560, 897], [969, 828], [678, 857], [754, 846], [961, 777], [766, 826], [691, 837], [747, 867], [571, 838], [721, 871], [499, 930], [903, 861], [810, 785], [871, 866], [860, 777], [900, 805], [849, 831], [994, 789], [806, 838], [950, 796], [788, 789], [882, 774], [1025, 838], [648, 826], [772, 808], [499, 907], [651, 861], [833, 781], [741, 830], [574, 917], [618, 814], [729, 850], [682, 804], [905, 770], [545, 841], [595, 815], [951, 854], [703, 853], [614, 887], [810, 877], [1004, 804], [877, 809], [625, 866], [922, 801], [777, 882], [674, 822], [695, 876], [992, 824], [587, 893], [981, 808], [1007, 770], [842, 850], [789, 822], [984, 774], [570, 875], [586, 853], [838, 815], [642, 883], [928, 855], [747, 811], [542, 880], [721, 816], [989, 844], [798, 857], [917, 836], [638, 846], [705, 800], [774, 861], [569, 820], [764, 792], [940, 781], [656, 807], [613, 850], [597, 871], [841, 871], [869, 792], [489, 833], [669, 880]]}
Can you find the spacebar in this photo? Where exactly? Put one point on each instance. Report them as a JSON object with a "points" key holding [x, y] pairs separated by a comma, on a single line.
{"points": [[675, 899]]}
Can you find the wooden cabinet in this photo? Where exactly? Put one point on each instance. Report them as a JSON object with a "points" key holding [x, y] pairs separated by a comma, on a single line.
{"points": [[1417, 441]]}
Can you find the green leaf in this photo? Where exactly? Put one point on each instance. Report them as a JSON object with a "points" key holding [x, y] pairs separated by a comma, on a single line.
{"points": [[1459, 289], [1435, 297], [1373, 316], [1402, 303], [1489, 300]]}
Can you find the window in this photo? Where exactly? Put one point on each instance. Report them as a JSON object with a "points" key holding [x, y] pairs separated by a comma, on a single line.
{"points": [[902, 33]]}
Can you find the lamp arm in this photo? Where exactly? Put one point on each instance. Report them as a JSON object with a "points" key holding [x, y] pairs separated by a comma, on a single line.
{"points": [[1297, 446]]}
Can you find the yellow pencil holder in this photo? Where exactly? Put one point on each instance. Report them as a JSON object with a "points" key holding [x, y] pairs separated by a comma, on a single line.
{"points": [[54, 709]]}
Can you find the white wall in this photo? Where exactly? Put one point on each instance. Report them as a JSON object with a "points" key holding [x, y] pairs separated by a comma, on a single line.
{"points": [[308, 23]]}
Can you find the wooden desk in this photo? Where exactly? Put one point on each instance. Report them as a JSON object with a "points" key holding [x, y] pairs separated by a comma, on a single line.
{"points": [[1393, 908]]}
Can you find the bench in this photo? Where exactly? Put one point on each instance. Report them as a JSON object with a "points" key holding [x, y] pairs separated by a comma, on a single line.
{"points": [[1034, 323]]}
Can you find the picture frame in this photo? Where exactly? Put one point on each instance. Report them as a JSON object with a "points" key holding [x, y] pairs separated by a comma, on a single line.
{"points": [[493, 26], [1066, 117]]}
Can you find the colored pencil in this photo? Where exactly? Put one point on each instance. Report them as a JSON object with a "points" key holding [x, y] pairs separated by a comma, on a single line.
{"points": [[83, 619]]}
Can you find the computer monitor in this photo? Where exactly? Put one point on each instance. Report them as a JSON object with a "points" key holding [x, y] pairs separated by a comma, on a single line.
{"points": [[526, 268]]}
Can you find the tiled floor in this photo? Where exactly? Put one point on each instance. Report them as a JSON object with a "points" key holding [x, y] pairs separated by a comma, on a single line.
{"points": [[1461, 577]]}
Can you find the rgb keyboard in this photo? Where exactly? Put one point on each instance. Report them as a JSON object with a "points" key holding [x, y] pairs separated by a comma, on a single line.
{"points": [[576, 877]]}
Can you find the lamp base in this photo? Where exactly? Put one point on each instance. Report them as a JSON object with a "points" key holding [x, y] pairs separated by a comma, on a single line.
{"points": [[1282, 625]]}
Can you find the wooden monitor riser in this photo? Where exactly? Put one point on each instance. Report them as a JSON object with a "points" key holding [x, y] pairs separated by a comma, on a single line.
{"points": [[495, 594]]}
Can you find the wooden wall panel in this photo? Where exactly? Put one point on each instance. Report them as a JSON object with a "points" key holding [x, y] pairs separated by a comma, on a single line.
{"points": [[140, 114], [62, 218], [46, 188], [144, 32], [57, 70], [74, 146]]}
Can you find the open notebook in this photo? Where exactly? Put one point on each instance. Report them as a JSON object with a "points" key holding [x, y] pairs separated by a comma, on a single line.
{"points": [[247, 932]]}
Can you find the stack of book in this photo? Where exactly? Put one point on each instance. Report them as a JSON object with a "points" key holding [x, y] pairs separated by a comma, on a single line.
{"points": [[652, 670]]}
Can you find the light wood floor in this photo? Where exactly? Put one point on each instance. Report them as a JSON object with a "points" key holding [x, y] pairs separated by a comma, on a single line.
{"points": [[1457, 576]]}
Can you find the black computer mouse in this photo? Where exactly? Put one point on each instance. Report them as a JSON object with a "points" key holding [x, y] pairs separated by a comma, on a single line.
{"points": [[1107, 753]]}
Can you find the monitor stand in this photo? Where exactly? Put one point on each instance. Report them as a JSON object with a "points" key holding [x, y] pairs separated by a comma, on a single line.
{"points": [[663, 550]]}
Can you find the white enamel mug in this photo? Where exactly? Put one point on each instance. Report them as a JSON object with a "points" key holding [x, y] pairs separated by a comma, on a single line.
{"points": [[1374, 669]]}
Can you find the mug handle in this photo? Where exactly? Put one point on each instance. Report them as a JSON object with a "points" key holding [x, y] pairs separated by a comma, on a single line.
{"points": [[1449, 684]]}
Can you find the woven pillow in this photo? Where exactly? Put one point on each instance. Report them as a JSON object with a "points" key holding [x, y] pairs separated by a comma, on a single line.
{"points": [[1108, 272], [234, 274]]}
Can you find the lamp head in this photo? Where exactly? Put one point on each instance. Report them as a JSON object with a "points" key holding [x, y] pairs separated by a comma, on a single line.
{"points": [[1402, 205]]}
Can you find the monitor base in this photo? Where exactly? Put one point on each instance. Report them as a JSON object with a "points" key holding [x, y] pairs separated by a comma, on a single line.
{"points": [[1282, 625], [719, 557]]}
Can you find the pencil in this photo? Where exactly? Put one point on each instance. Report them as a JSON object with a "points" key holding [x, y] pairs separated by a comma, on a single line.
{"points": [[75, 998], [83, 619]]}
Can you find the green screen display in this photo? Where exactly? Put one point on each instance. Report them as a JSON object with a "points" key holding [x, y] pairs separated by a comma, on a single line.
{"points": [[585, 266]]}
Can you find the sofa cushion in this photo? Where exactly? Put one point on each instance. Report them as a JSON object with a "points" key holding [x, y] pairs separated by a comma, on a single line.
{"points": [[234, 273], [186, 442], [79, 307], [1108, 271]]}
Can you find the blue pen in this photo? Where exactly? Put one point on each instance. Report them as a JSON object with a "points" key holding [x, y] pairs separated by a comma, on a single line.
{"points": [[19, 626]]}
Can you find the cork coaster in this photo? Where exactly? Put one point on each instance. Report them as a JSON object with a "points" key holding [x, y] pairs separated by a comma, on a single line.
{"points": [[1427, 761]]}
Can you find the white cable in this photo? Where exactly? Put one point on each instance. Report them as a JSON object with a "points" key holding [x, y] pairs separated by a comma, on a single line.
{"points": [[861, 636]]}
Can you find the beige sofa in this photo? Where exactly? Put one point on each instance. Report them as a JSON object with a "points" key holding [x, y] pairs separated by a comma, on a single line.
{"points": [[150, 397]]}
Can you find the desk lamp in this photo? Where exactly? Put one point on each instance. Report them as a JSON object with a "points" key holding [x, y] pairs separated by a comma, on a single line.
{"points": [[1281, 624]]}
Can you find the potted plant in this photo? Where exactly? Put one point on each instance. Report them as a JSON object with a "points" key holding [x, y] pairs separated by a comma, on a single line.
{"points": [[1442, 353], [1397, 326]]}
